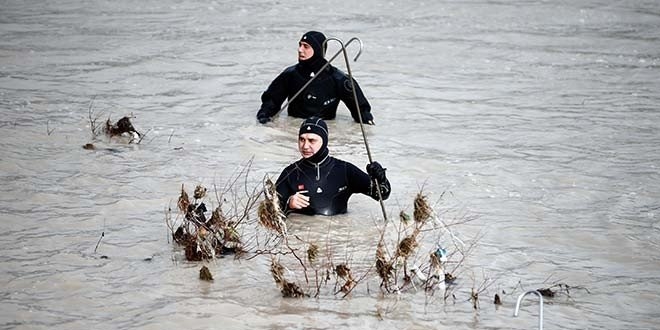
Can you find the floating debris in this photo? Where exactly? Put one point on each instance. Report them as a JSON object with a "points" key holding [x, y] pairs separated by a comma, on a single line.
{"points": [[205, 274], [200, 192], [312, 252], [201, 238], [441, 254], [343, 271], [292, 290], [404, 217], [288, 289], [122, 127], [561, 288]]}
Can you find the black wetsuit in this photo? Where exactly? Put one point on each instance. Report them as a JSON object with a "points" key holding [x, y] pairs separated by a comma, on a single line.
{"points": [[320, 98], [329, 184]]}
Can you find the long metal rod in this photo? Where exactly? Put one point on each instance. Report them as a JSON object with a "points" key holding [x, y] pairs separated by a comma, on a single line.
{"points": [[520, 298], [357, 107], [343, 50]]}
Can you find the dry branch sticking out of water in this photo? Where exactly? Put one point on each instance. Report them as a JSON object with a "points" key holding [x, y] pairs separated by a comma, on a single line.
{"points": [[202, 237], [270, 214], [122, 129], [288, 289]]}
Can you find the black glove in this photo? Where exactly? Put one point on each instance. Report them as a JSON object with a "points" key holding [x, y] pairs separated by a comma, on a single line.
{"points": [[263, 120], [367, 118], [376, 172]]}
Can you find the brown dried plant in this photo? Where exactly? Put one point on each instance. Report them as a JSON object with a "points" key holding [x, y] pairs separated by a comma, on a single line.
{"points": [[407, 245], [277, 270], [270, 214], [422, 210], [383, 266], [288, 289], [205, 239], [184, 201], [344, 273], [200, 192], [312, 252]]}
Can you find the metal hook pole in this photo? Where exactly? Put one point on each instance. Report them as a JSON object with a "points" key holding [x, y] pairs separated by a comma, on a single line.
{"points": [[357, 107], [321, 70], [520, 298]]}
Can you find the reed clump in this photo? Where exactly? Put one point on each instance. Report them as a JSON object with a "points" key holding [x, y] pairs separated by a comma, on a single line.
{"points": [[270, 213], [206, 234], [288, 289], [121, 131]]}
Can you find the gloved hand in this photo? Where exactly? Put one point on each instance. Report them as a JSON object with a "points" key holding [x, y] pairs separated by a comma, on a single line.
{"points": [[263, 119], [367, 118], [376, 172]]}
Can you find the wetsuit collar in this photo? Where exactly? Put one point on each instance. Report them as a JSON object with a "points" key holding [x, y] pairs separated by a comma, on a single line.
{"points": [[317, 165]]}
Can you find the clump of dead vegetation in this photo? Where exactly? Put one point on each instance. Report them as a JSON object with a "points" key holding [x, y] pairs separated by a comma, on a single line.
{"points": [[121, 131], [410, 256], [206, 232], [427, 254], [422, 253]]}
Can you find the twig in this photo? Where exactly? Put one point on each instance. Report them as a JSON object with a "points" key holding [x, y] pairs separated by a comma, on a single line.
{"points": [[142, 136], [100, 238], [49, 131]]}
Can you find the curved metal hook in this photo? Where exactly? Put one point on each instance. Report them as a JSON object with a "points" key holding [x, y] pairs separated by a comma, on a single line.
{"points": [[357, 108], [520, 298], [343, 46]]}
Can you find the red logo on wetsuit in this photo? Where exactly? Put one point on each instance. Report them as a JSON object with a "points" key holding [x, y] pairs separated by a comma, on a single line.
{"points": [[301, 187]]}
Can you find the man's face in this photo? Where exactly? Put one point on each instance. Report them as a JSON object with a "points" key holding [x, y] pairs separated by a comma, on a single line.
{"points": [[309, 144], [305, 51]]}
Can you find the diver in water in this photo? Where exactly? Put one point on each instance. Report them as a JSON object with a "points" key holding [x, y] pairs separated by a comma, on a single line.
{"points": [[321, 184], [322, 96]]}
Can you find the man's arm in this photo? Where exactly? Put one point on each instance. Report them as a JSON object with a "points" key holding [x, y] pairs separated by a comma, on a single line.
{"points": [[366, 183], [346, 96], [272, 98]]}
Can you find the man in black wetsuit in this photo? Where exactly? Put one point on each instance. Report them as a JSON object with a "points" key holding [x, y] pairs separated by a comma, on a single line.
{"points": [[321, 184], [322, 96]]}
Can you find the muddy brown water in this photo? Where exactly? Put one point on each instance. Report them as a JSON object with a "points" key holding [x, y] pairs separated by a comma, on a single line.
{"points": [[539, 119]]}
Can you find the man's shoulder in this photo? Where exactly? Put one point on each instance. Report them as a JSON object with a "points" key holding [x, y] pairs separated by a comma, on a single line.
{"points": [[336, 72], [293, 166], [340, 163], [290, 68]]}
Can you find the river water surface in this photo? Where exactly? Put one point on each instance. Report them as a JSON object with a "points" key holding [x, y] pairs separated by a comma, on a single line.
{"points": [[538, 120]]}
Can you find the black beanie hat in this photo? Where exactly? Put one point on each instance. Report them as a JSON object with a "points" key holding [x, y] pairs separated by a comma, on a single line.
{"points": [[315, 39], [317, 126], [314, 125]]}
